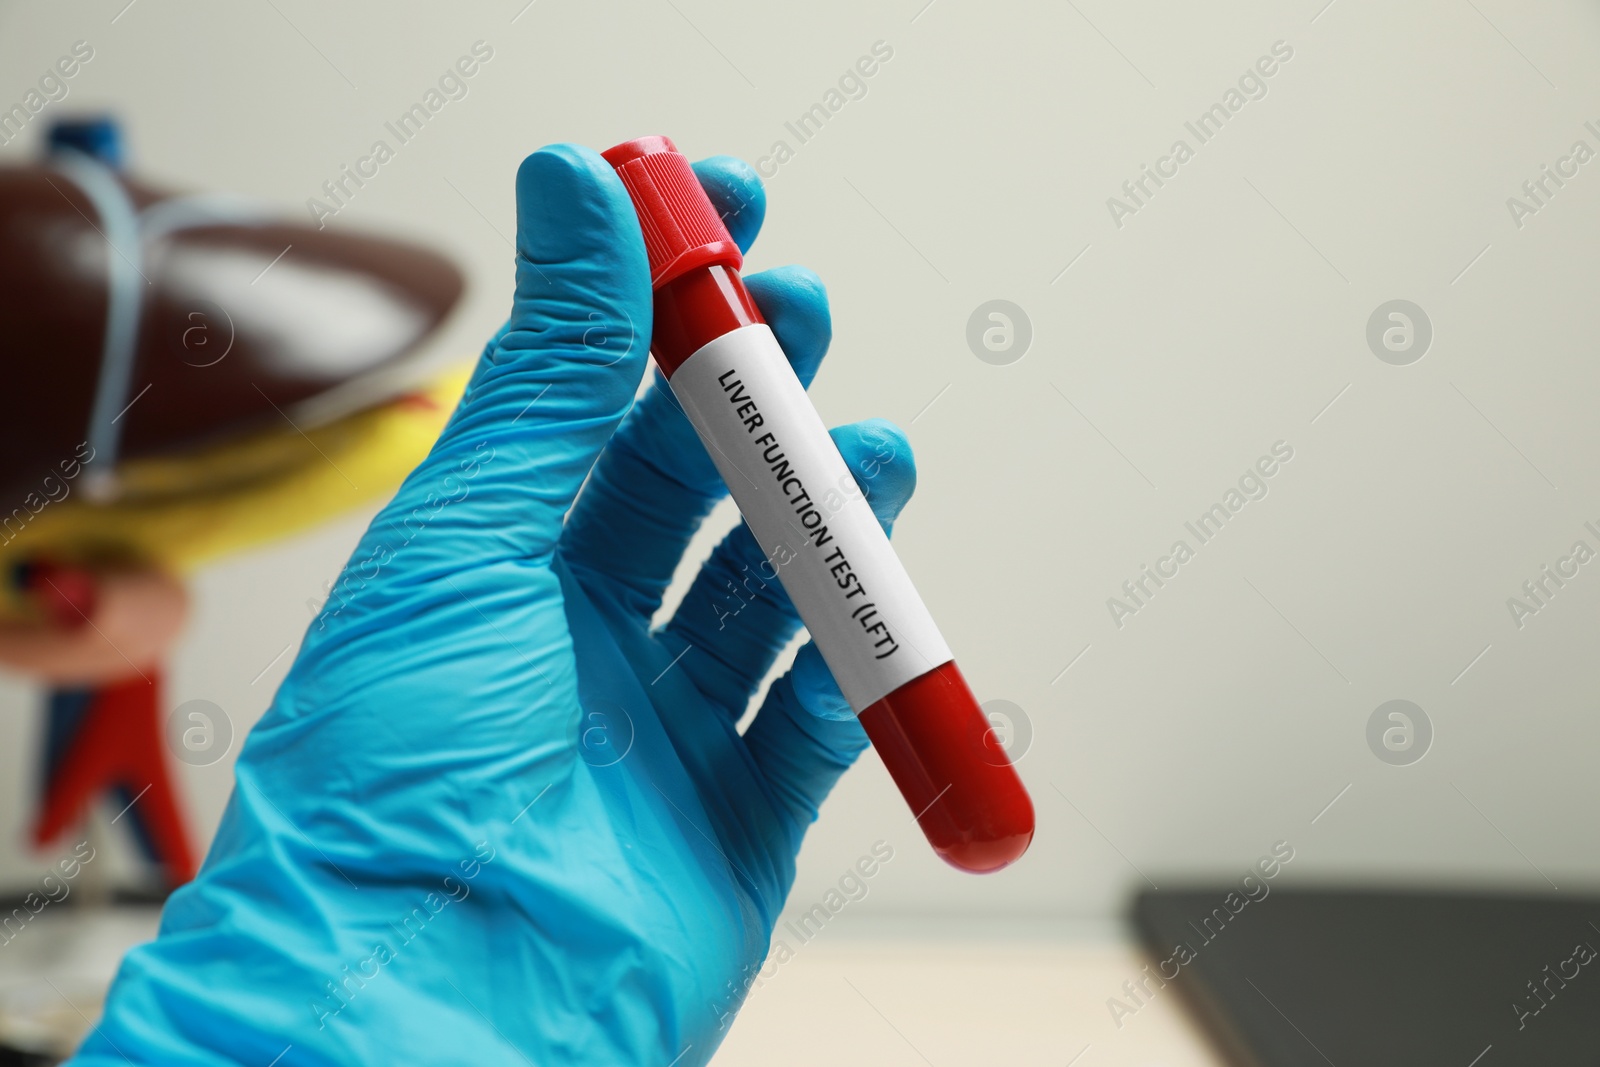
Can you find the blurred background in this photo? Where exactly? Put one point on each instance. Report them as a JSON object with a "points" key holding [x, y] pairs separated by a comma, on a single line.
{"points": [[1084, 365]]}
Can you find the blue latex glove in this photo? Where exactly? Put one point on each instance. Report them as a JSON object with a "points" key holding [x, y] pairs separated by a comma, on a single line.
{"points": [[490, 812]]}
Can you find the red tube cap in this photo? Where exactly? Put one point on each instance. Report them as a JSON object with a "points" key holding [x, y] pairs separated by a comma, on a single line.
{"points": [[682, 230]]}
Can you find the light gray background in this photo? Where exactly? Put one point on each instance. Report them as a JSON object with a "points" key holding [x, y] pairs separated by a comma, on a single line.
{"points": [[1177, 349]]}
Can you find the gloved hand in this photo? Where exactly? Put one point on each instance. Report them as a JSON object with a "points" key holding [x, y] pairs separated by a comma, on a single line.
{"points": [[490, 816]]}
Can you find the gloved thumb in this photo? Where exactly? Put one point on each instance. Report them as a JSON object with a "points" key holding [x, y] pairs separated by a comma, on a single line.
{"points": [[553, 384]]}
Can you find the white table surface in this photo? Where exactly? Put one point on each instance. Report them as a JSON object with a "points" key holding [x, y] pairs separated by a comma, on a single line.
{"points": [[919, 998]]}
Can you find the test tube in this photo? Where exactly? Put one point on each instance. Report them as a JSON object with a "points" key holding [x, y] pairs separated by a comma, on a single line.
{"points": [[803, 505]]}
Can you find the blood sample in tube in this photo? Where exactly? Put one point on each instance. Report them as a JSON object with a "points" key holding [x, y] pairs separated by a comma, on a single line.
{"points": [[725, 367]]}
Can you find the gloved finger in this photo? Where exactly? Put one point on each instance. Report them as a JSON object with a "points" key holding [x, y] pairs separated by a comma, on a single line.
{"points": [[736, 615], [737, 194], [550, 388], [803, 739], [655, 482]]}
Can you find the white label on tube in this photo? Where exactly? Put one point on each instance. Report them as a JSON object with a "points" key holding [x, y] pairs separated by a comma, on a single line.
{"points": [[808, 515]]}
